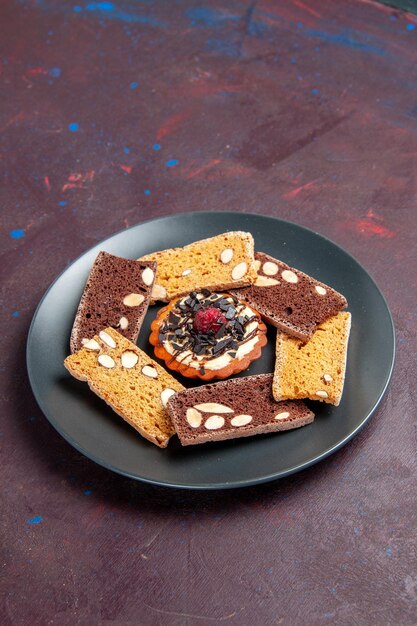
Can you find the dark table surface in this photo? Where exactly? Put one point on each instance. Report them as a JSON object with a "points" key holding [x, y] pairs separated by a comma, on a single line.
{"points": [[116, 112]]}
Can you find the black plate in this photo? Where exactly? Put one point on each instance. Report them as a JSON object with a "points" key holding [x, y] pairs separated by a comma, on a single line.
{"points": [[89, 425]]}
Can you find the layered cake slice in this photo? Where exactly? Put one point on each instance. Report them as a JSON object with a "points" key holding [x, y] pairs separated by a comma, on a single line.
{"points": [[289, 299], [218, 263], [240, 407], [316, 369], [134, 385], [117, 294]]}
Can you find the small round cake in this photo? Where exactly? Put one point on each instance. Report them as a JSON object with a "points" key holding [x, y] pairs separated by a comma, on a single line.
{"points": [[208, 335]]}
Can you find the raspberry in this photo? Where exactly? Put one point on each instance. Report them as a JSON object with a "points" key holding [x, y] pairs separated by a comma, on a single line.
{"points": [[208, 318]]}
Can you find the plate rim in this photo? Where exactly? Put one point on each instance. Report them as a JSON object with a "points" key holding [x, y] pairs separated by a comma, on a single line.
{"points": [[228, 484]]}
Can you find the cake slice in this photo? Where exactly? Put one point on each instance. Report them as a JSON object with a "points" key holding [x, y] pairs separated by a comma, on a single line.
{"points": [[289, 299], [316, 369], [218, 263], [134, 385], [239, 407], [117, 294]]}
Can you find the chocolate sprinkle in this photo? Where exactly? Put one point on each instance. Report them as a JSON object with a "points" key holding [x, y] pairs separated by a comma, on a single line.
{"points": [[178, 328]]}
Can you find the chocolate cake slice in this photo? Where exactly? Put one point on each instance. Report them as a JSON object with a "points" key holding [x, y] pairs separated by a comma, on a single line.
{"points": [[117, 294], [289, 299], [239, 407]]}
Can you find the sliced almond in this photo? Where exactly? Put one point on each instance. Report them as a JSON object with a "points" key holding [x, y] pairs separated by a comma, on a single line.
{"points": [[149, 371], [158, 292], [239, 270], [213, 407], [322, 394], [123, 323], [226, 256], [133, 299], [289, 276], [91, 344], [269, 268], [186, 272], [282, 416], [194, 418], [265, 281], [214, 422], [327, 378], [106, 361], [165, 395], [320, 290], [129, 359], [257, 265], [241, 420], [108, 340], [147, 276]]}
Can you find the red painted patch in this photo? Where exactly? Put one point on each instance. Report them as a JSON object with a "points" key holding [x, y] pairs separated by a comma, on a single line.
{"points": [[77, 180], [370, 226], [192, 173], [295, 192], [36, 71], [172, 123], [126, 168], [47, 183], [305, 7]]}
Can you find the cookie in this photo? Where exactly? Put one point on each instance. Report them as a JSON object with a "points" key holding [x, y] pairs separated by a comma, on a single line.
{"points": [[289, 299], [240, 407], [134, 385], [316, 369], [117, 294], [208, 335], [218, 263]]}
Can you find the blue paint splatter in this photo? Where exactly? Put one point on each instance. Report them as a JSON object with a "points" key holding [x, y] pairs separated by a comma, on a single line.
{"points": [[62, 203], [15, 314], [134, 85], [172, 162], [88, 492], [17, 233], [205, 16], [410, 26], [333, 589], [35, 520], [388, 552], [224, 46], [55, 72], [147, 192], [73, 127], [156, 146], [126, 150], [345, 39], [314, 91], [110, 10]]}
